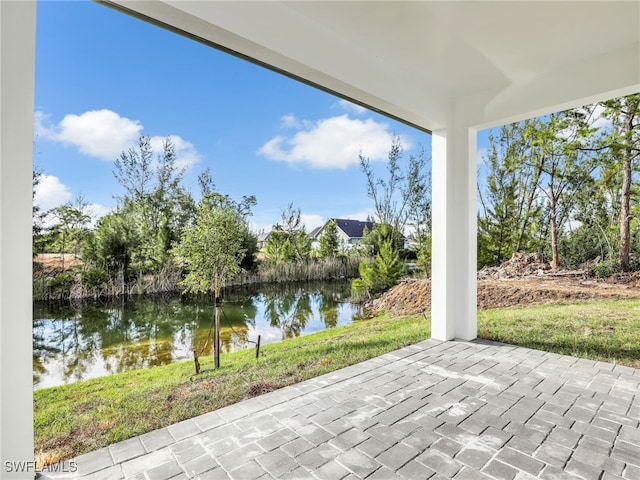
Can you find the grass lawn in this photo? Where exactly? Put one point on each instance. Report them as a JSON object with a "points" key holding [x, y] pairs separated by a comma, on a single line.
{"points": [[80, 417], [608, 331]]}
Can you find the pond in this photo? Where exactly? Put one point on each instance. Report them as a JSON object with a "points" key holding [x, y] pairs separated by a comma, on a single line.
{"points": [[93, 339]]}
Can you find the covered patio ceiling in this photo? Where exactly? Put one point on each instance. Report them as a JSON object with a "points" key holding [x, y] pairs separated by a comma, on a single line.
{"points": [[417, 60]]}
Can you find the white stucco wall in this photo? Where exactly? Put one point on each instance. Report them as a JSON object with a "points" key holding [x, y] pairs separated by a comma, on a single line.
{"points": [[17, 62]]}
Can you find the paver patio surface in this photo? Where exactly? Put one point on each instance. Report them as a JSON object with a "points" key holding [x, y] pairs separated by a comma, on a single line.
{"points": [[434, 410]]}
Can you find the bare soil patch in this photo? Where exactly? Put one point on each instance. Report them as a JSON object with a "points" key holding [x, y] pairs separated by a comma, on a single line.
{"points": [[523, 280], [414, 296], [54, 263]]}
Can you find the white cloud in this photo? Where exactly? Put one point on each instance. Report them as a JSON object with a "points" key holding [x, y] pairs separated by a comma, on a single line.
{"points": [[42, 126], [362, 215], [351, 107], [312, 221], [332, 143], [597, 119], [258, 227], [186, 154], [98, 211], [290, 121], [105, 134], [50, 193], [99, 133], [594, 117]]}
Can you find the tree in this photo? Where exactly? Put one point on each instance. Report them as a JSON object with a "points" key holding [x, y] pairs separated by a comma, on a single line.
{"points": [[396, 198], [244, 209], [278, 248], [419, 219], [70, 225], [510, 205], [296, 232], [212, 250], [134, 171], [538, 171], [154, 200], [288, 240], [565, 185], [624, 146], [559, 149], [112, 246], [205, 182], [593, 236], [380, 233], [329, 242], [35, 212], [379, 274]]}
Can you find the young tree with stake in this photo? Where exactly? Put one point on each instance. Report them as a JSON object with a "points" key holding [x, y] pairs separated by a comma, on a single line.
{"points": [[212, 250]]}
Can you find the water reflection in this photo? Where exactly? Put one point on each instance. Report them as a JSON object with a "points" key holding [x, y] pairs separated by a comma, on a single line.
{"points": [[77, 342]]}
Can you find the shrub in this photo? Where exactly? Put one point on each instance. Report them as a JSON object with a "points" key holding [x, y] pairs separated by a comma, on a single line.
{"points": [[60, 285], [94, 278], [606, 268], [379, 274]]}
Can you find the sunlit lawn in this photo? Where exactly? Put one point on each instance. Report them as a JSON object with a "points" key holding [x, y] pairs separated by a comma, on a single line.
{"points": [[605, 330]]}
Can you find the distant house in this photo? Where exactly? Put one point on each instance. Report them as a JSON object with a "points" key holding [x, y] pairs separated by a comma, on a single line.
{"points": [[315, 233], [350, 232], [262, 239]]}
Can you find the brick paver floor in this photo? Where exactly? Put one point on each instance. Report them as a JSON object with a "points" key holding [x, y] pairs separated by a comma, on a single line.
{"points": [[434, 410]]}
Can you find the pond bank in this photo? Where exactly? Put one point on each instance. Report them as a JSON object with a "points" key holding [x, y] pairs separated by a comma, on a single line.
{"points": [[58, 278], [78, 340]]}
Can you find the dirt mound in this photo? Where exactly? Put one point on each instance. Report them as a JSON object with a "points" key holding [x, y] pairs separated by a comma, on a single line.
{"points": [[408, 297], [54, 263], [414, 296], [536, 291], [520, 265]]}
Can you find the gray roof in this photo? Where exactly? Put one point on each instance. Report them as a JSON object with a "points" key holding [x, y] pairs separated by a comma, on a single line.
{"points": [[315, 232], [353, 228]]}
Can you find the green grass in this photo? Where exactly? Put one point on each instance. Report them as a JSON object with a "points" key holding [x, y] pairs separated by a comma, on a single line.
{"points": [[80, 417], [608, 331]]}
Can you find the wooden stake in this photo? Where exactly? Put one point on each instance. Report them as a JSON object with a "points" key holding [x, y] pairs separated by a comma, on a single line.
{"points": [[258, 347], [216, 336], [196, 361]]}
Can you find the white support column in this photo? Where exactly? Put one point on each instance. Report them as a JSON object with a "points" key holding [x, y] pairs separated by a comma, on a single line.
{"points": [[17, 67], [453, 268]]}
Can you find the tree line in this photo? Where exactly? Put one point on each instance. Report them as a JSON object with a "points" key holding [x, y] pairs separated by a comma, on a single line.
{"points": [[565, 185], [160, 238]]}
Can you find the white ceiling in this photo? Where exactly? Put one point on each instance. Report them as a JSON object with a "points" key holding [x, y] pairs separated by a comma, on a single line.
{"points": [[425, 62]]}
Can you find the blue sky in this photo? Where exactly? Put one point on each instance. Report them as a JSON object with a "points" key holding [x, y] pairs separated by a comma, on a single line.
{"points": [[103, 78]]}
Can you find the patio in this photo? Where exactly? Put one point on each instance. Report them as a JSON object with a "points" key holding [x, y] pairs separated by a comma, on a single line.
{"points": [[434, 410]]}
